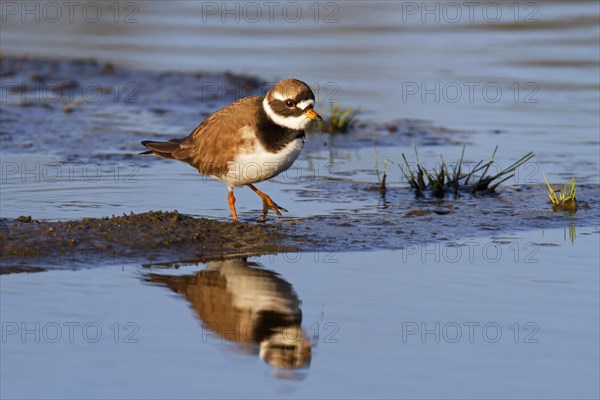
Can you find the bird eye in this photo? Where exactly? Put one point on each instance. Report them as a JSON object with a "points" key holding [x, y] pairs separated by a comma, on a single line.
{"points": [[289, 103]]}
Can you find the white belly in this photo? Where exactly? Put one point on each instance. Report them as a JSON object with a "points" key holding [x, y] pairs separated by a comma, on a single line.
{"points": [[261, 164]]}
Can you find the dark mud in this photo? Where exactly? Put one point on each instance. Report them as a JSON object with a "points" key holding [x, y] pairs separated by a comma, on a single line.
{"points": [[400, 220], [153, 237]]}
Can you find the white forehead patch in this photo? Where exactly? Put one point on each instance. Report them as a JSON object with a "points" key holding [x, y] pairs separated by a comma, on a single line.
{"points": [[279, 96], [305, 103]]}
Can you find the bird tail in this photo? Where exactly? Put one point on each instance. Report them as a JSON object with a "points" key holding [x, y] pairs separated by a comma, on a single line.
{"points": [[161, 149]]}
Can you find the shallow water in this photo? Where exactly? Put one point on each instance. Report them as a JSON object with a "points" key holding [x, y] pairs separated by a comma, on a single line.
{"points": [[519, 312]]}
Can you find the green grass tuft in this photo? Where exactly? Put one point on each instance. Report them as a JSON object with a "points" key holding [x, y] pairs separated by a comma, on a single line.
{"points": [[443, 179], [380, 179], [566, 200]]}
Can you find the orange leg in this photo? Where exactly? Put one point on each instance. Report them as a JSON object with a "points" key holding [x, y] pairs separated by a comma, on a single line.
{"points": [[231, 199], [267, 203]]}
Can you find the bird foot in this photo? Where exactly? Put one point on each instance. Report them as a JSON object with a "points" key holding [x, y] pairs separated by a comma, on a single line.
{"points": [[269, 204]]}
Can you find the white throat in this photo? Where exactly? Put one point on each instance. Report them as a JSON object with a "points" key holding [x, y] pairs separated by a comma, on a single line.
{"points": [[297, 123]]}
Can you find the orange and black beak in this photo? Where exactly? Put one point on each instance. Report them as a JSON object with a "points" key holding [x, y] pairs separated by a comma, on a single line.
{"points": [[310, 113]]}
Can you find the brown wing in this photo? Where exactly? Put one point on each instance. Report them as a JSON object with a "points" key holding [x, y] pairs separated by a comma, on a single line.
{"points": [[216, 140]]}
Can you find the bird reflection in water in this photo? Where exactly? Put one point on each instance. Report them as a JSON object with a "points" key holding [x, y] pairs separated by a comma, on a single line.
{"points": [[244, 303]]}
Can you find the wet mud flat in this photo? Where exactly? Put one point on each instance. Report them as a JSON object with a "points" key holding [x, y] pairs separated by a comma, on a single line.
{"points": [[158, 237], [400, 221], [93, 112]]}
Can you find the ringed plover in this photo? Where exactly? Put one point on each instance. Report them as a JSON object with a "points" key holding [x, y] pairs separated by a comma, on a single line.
{"points": [[248, 141]]}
